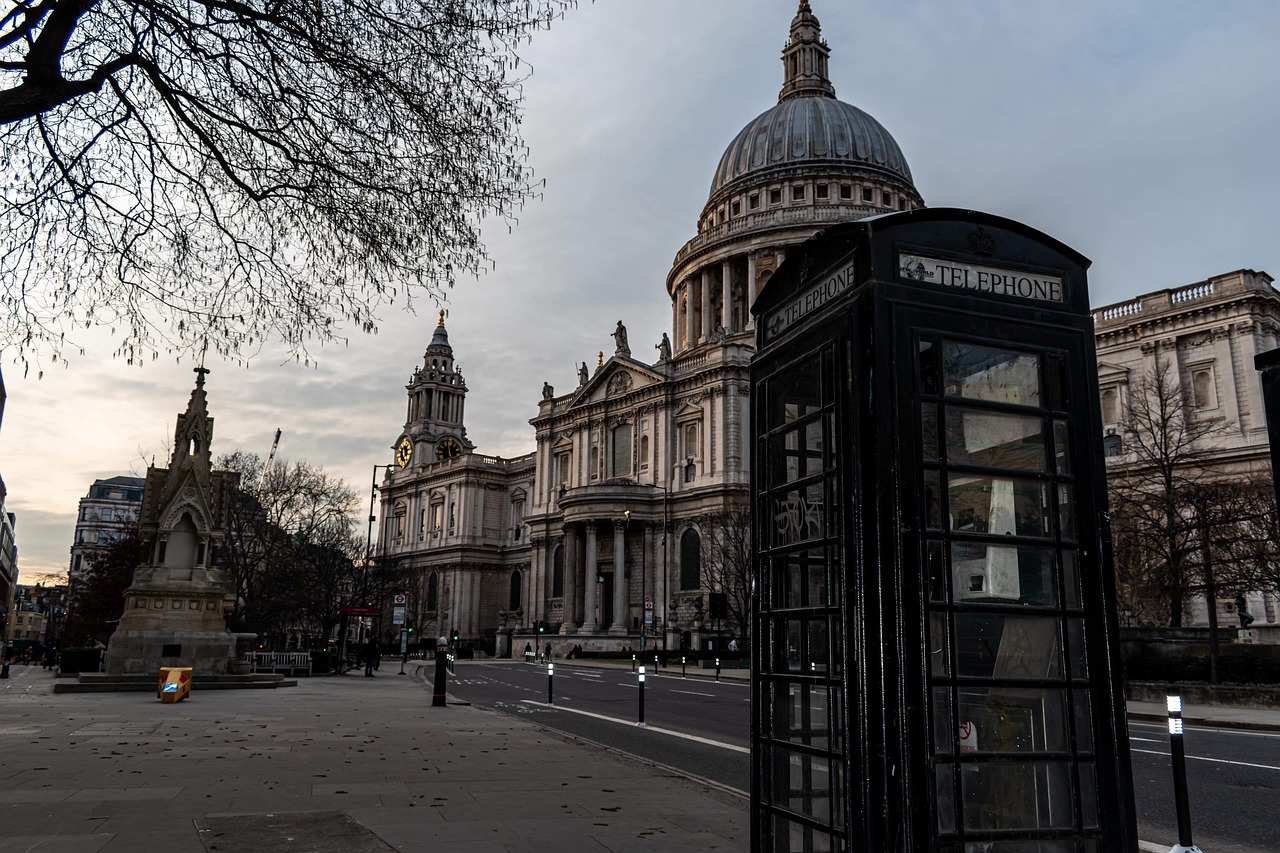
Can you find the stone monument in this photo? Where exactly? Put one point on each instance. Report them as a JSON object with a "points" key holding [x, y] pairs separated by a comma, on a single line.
{"points": [[175, 609]]}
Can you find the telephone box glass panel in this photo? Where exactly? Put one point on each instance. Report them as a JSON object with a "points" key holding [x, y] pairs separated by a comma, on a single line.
{"points": [[1010, 723]]}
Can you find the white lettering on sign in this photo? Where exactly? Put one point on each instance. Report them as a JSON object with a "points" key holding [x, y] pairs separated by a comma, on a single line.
{"points": [[1001, 282], [810, 299]]}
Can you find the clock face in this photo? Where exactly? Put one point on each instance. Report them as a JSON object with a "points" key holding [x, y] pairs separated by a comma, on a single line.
{"points": [[404, 452], [448, 449]]}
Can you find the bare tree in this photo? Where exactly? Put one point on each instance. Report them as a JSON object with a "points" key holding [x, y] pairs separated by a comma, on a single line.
{"points": [[289, 546], [728, 561], [216, 172], [98, 600], [1156, 526]]}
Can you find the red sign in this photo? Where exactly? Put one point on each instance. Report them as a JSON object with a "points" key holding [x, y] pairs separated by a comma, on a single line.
{"points": [[362, 611]]}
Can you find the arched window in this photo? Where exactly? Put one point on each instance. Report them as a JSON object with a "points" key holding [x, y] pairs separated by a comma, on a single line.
{"points": [[433, 592], [1110, 413], [690, 560], [513, 600], [557, 572], [1202, 389]]}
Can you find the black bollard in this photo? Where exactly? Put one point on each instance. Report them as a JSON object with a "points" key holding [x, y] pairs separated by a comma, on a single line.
{"points": [[437, 697], [1179, 755], [551, 669], [640, 722], [717, 669], [633, 663], [683, 661]]}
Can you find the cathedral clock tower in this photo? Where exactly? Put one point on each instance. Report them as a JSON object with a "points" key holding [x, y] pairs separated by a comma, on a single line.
{"points": [[433, 430]]}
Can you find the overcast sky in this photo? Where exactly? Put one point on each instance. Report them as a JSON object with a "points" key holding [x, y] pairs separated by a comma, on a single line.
{"points": [[1143, 134]]}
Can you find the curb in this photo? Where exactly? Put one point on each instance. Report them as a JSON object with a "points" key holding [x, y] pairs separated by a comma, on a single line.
{"points": [[1207, 722]]}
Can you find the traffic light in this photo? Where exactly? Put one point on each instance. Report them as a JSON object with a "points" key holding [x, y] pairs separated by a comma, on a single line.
{"points": [[541, 627], [455, 636], [410, 629]]}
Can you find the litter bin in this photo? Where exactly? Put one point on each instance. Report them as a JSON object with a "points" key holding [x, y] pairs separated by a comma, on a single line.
{"points": [[175, 683]]}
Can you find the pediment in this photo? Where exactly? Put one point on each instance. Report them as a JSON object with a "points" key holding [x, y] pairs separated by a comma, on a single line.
{"points": [[1112, 371], [563, 444], [618, 377], [186, 495], [519, 495]]}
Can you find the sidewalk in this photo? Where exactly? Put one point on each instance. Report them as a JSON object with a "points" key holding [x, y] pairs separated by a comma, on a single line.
{"points": [[344, 764]]}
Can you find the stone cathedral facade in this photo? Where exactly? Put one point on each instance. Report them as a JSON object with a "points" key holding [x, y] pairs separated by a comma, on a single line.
{"points": [[600, 533]]}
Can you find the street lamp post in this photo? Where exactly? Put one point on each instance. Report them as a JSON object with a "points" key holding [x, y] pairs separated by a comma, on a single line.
{"points": [[368, 557]]}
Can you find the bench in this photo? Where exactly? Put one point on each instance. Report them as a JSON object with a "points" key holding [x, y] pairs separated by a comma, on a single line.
{"points": [[290, 662]]}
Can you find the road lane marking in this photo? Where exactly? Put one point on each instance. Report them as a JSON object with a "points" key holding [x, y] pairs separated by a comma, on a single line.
{"points": [[694, 693], [1212, 760], [1146, 739], [1203, 728], [707, 741]]}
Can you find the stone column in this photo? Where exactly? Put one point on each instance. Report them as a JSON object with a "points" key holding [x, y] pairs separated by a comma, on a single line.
{"points": [[749, 292], [620, 609], [707, 322], [726, 297], [589, 583], [689, 339], [569, 618]]}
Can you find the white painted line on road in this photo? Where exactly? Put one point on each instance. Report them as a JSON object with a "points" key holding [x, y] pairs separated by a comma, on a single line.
{"points": [[694, 693], [1204, 728], [1147, 739], [707, 741], [1213, 760]]}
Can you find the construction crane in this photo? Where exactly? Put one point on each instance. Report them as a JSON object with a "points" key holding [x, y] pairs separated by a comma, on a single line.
{"points": [[267, 467]]}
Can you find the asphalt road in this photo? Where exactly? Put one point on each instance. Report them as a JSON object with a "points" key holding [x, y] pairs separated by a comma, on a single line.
{"points": [[701, 728]]}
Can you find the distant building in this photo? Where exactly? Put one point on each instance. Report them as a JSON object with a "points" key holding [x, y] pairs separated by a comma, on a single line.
{"points": [[106, 513], [36, 615], [8, 545], [1207, 334], [8, 569]]}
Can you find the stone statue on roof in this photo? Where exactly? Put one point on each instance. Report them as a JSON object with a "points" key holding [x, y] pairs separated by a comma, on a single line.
{"points": [[664, 348], [620, 339]]}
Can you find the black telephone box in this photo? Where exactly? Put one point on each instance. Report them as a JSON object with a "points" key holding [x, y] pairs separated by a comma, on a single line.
{"points": [[935, 606]]}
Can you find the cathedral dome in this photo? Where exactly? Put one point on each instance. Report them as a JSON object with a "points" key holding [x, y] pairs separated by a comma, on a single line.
{"points": [[809, 132]]}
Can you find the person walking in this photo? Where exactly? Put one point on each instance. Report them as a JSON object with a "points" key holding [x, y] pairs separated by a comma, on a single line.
{"points": [[371, 653]]}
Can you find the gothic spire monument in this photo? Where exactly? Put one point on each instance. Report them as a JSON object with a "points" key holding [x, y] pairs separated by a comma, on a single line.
{"points": [[175, 607]]}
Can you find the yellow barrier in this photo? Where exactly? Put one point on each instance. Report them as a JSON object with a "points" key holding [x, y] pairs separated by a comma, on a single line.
{"points": [[175, 683]]}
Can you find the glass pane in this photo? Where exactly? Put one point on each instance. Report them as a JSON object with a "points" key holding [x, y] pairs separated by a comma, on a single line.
{"points": [[1011, 719], [1076, 650], [995, 439], [939, 660], [1055, 368], [929, 431], [936, 571], [792, 837], [1022, 795], [795, 393], [817, 649], [814, 445], [1084, 727], [797, 516], [792, 644], [1067, 511], [801, 579], [992, 374], [1061, 450], [940, 719], [928, 355], [998, 505], [932, 500], [803, 715], [998, 646], [1071, 580], [945, 797], [791, 459], [808, 784], [1088, 796], [1021, 574]]}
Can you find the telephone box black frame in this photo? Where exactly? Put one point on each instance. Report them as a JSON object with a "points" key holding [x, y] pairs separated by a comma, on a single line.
{"points": [[930, 676]]}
